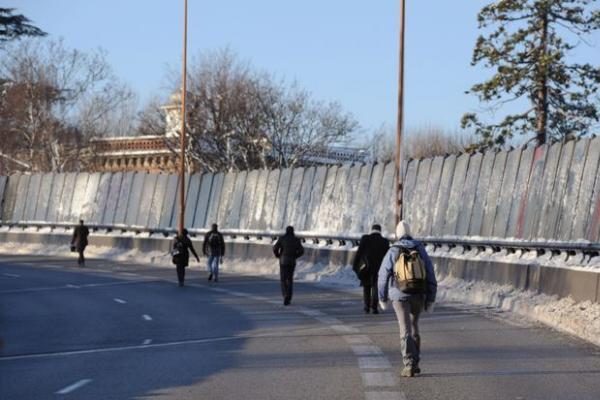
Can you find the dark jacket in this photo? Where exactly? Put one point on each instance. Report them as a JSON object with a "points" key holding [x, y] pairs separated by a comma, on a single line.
{"points": [[388, 289], [184, 257], [288, 248], [368, 258], [80, 237], [210, 248]]}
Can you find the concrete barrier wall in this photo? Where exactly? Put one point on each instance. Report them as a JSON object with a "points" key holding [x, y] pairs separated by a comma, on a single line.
{"points": [[548, 192]]}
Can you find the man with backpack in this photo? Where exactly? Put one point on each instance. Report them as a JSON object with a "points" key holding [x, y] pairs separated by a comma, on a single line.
{"points": [[79, 241], [214, 248], [288, 249], [407, 279], [182, 244], [370, 253]]}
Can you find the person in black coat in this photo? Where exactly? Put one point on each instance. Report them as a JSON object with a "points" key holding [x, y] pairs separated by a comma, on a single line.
{"points": [[368, 258], [182, 245], [288, 249], [80, 241], [214, 249]]}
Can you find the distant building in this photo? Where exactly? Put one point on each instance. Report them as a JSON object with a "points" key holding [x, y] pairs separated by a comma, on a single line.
{"points": [[158, 153]]}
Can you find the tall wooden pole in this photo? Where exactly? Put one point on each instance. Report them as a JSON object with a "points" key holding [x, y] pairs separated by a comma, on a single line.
{"points": [[400, 122], [183, 115]]}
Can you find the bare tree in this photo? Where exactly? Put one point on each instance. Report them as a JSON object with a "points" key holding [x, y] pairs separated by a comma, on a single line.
{"points": [[241, 118], [423, 142], [53, 100]]}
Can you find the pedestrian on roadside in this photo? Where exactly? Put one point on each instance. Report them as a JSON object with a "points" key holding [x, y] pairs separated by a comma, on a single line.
{"points": [[214, 249], [288, 249], [367, 260], [80, 241], [407, 279], [180, 250]]}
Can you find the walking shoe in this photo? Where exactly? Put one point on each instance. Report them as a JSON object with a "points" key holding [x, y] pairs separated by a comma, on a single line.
{"points": [[216, 280], [375, 311], [286, 302], [367, 310], [210, 277], [407, 372], [416, 369]]}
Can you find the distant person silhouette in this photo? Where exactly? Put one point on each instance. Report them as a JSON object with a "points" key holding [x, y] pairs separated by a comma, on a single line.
{"points": [[367, 260], [180, 250], [214, 249], [287, 249], [80, 241]]}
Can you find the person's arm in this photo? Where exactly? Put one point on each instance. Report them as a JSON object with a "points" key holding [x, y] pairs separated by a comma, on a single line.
{"points": [[222, 244], [431, 281], [300, 249], [385, 274], [277, 248], [205, 244], [191, 246], [358, 257]]}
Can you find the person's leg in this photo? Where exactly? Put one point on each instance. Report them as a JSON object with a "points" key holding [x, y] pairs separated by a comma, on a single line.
{"points": [[215, 268], [282, 279], [407, 343], [80, 259], [416, 307], [291, 282], [367, 297], [210, 268], [374, 296], [180, 274]]}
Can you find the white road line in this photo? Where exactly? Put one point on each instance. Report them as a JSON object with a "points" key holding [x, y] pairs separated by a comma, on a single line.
{"points": [[11, 275], [366, 350], [374, 363], [74, 387], [312, 313], [128, 274], [385, 396], [329, 320], [357, 339], [89, 285], [147, 342], [379, 379], [71, 286], [120, 301], [340, 328], [147, 317]]}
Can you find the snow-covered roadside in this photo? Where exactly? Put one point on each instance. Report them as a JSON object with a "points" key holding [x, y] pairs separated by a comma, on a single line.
{"points": [[565, 315]]}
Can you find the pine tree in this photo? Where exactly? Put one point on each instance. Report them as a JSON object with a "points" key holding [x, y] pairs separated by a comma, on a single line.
{"points": [[527, 43], [15, 25]]}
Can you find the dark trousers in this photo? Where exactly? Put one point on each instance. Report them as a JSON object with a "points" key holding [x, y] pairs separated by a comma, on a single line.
{"points": [[286, 274], [181, 272], [81, 259], [370, 296]]}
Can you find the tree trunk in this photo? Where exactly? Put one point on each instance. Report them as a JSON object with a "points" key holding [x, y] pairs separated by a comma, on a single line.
{"points": [[542, 89]]}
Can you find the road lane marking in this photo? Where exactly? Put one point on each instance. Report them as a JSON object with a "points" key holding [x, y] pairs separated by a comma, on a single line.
{"points": [[380, 379], [89, 285], [147, 317], [70, 286], [341, 328], [357, 339], [11, 275], [366, 350], [147, 342], [74, 386], [120, 301], [374, 363], [385, 396]]}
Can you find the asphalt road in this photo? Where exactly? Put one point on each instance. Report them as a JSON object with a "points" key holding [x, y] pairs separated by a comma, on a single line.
{"points": [[123, 331]]}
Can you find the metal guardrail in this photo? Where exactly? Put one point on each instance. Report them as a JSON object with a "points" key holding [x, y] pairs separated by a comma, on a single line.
{"points": [[551, 248]]}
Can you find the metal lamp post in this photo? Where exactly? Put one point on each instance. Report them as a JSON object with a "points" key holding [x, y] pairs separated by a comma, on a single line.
{"points": [[400, 121], [183, 118]]}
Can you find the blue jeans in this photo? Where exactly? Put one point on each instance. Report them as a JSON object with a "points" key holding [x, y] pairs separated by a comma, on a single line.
{"points": [[213, 266]]}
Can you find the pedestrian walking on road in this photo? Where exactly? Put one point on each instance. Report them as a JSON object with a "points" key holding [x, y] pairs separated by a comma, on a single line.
{"points": [[80, 241], [288, 249], [407, 279], [214, 249], [180, 250], [367, 260]]}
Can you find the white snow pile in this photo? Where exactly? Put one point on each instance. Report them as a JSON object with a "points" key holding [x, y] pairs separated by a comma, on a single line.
{"points": [[579, 319]]}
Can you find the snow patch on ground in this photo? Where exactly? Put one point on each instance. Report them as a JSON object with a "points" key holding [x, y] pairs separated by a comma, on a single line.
{"points": [[565, 315]]}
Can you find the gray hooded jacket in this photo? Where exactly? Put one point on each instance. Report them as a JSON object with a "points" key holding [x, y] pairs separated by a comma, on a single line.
{"points": [[388, 289]]}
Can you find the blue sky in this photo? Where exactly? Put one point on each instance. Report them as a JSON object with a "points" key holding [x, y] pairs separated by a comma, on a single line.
{"points": [[343, 50]]}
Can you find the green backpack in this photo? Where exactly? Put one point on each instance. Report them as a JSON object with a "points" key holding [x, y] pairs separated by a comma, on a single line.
{"points": [[410, 272]]}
